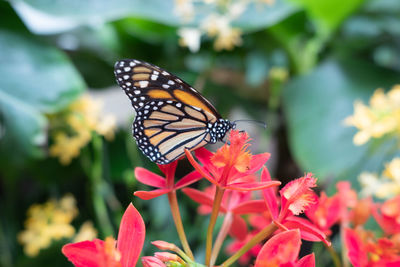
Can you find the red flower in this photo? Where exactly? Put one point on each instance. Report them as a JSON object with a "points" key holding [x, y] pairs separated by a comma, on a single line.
{"points": [[232, 166], [166, 184], [388, 215], [99, 253], [283, 250], [238, 244], [296, 197], [325, 212], [365, 251], [235, 202]]}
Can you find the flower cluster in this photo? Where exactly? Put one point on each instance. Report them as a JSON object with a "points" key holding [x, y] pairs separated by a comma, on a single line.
{"points": [[51, 221], [218, 24], [384, 186], [382, 117], [262, 222], [72, 128]]}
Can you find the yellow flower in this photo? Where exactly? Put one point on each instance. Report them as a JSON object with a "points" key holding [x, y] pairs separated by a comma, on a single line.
{"points": [[380, 118], [218, 24], [47, 222], [86, 232], [384, 186], [72, 129]]}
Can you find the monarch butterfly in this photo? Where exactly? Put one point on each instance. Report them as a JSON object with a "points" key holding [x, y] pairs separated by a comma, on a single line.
{"points": [[170, 114]]}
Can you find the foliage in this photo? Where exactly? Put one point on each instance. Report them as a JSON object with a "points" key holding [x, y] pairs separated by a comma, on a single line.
{"points": [[298, 65]]}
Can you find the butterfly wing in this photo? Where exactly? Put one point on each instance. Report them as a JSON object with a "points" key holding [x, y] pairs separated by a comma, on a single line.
{"points": [[171, 115], [164, 129], [144, 82]]}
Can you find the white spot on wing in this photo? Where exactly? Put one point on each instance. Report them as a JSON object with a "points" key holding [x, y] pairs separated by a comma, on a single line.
{"points": [[143, 84]]}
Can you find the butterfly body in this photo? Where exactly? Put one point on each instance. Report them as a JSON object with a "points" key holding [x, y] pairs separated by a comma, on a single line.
{"points": [[170, 114]]}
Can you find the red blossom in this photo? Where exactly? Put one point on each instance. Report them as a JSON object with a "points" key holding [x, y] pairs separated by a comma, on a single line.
{"points": [[365, 251], [123, 253], [388, 215], [232, 166], [283, 250], [237, 244], [164, 185], [296, 197], [235, 202], [151, 261], [325, 212]]}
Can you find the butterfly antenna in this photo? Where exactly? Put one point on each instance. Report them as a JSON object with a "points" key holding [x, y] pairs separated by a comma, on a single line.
{"points": [[261, 123]]}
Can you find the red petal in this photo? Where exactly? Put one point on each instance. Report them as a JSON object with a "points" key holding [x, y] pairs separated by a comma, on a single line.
{"points": [[146, 195], [257, 161], [250, 206], [168, 169], [280, 249], [150, 261], [308, 231], [84, 254], [202, 198], [238, 228], [131, 236], [188, 179], [357, 254], [307, 261], [252, 186], [199, 168], [270, 195], [147, 177]]}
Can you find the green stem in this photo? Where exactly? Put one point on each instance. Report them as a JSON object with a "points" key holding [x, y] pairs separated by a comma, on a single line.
{"points": [[263, 234], [96, 172], [334, 255], [226, 225], [219, 193], [176, 215]]}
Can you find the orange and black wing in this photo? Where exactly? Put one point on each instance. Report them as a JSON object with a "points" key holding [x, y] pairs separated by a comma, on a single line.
{"points": [[144, 82], [170, 114]]}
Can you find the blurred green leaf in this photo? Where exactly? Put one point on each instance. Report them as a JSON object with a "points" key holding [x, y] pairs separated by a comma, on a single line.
{"points": [[259, 16], [329, 13], [36, 73], [55, 16], [316, 105], [23, 129], [34, 78]]}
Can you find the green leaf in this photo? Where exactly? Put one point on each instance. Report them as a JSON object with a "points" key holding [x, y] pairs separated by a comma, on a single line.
{"points": [[316, 105], [329, 13], [38, 74], [23, 129], [56, 16], [259, 16], [35, 78]]}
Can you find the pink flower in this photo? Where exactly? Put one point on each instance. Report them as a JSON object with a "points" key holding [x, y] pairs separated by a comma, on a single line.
{"points": [[122, 253], [232, 166], [283, 250], [164, 185], [296, 197]]}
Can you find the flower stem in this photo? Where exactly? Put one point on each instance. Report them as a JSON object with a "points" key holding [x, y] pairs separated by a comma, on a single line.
{"points": [[263, 234], [219, 193], [97, 184], [334, 255], [226, 225], [176, 215]]}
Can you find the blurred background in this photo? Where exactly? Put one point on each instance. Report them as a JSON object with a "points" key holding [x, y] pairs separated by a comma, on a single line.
{"points": [[66, 149]]}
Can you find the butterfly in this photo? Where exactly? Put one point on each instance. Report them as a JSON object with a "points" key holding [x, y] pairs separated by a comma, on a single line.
{"points": [[170, 114]]}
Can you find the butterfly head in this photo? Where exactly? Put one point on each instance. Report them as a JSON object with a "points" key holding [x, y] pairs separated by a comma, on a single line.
{"points": [[219, 129]]}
